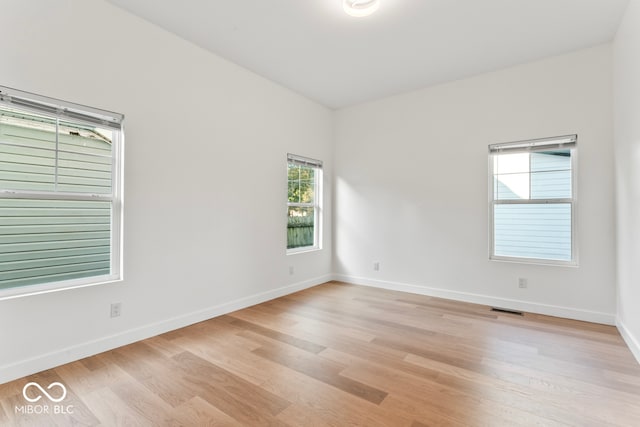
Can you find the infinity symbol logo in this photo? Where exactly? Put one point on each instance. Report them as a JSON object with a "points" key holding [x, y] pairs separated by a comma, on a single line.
{"points": [[43, 391]]}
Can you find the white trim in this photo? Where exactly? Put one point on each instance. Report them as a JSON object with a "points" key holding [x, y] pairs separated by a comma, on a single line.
{"points": [[54, 195], [59, 357], [117, 206], [632, 342], [45, 288], [317, 204], [494, 153], [303, 250], [115, 122], [526, 306]]}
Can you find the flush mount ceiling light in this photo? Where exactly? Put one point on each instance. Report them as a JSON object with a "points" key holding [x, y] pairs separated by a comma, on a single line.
{"points": [[360, 8]]}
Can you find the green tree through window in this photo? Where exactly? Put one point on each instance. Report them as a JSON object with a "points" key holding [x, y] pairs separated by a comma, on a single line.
{"points": [[302, 202]]}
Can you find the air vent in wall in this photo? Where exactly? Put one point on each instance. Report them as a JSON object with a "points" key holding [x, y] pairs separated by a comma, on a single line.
{"points": [[506, 310]]}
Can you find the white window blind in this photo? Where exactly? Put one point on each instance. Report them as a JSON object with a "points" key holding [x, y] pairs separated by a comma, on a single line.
{"points": [[303, 161], [60, 195], [532, 200]]}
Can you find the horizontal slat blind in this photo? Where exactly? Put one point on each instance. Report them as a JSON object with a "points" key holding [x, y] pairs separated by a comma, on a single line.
{"points": [[557, 142], [76, 113], [303, 161], [44, 240]]}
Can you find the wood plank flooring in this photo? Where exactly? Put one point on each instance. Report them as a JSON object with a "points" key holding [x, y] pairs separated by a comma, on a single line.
{"points": [[344, 355]]}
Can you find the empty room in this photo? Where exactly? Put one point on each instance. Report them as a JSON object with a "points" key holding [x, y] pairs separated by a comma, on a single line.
{"points": [[320, 213]]}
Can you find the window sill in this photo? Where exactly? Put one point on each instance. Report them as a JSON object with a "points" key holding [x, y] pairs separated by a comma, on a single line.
{"points": [[535, 261], [303, 250], [45, 288]]}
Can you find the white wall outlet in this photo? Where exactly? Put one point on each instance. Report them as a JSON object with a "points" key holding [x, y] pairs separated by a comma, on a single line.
{"points": [[116, 309], [376, 266], [522, 282], [291, 270]]}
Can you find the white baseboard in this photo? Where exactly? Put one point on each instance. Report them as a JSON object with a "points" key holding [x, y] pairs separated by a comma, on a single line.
{"points": [[632, 342], [50, 360], [526, 306], [60, 357]]}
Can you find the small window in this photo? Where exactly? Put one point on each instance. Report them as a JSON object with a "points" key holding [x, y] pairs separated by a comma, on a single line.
{"points": [[532, 200], [303, 203], [59, 194]]}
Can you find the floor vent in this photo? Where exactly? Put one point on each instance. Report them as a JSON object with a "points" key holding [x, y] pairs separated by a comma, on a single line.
{"points": [[506, 310]]}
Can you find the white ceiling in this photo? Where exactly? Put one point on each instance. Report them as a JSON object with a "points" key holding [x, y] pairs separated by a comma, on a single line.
{"points": [[315, 49]]}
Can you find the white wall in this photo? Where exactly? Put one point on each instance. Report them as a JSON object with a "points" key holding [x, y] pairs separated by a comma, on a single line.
{"points": [[205, 178], [411, 186], [627, 158], [204, 235]]}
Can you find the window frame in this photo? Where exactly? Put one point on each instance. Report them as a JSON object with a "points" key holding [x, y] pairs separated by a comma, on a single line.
{"points": [[316, 205], [75, 113], [531, 146]]}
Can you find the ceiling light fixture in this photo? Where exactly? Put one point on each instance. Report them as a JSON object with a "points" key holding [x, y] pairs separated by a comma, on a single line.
{"points": [[360, 8]]}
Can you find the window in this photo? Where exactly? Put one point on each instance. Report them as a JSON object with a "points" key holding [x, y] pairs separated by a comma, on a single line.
{"points": [[303, 203], [60, 201], [532, 200]]}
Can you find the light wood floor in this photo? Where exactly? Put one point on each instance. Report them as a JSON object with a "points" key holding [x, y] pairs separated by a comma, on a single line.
{"points": [[343, 355]]}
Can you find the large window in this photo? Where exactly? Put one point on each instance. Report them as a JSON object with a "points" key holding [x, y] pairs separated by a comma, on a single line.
{"points": [[303, 203], [532, 200], [60, 201]]}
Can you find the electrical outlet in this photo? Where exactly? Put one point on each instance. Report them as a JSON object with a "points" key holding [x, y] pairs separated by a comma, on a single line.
{"points": [[522, 282], [291, 270], [116, 309], [376, 266]]}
